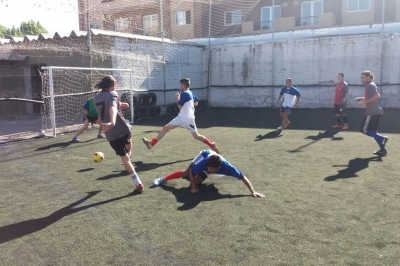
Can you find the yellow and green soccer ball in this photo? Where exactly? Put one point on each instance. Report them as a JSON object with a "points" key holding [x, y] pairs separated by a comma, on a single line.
{"points": [[98, 157]]}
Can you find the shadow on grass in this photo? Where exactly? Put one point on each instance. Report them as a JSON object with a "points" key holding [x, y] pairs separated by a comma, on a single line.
{"points": [[190, 201], [270, 135], [354, 166], [327, 134], [21, 229], [61, 145], [140, 167], [85, 170]]}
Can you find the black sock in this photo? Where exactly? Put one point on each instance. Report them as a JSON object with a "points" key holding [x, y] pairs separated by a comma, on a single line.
{"points": [[345, 119], [338, 120]]}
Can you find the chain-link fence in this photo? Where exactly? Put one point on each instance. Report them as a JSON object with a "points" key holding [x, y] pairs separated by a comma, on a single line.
{"points": [[242, 48]]}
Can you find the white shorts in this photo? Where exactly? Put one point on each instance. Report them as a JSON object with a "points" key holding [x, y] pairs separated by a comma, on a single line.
{"points": [[187, 123]]}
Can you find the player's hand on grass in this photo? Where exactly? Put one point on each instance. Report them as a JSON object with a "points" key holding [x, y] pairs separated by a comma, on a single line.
{"points": [[258, 195], [194, 190]]}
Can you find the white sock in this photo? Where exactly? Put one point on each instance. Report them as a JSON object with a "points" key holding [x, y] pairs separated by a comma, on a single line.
{"points": [[136, 179]]}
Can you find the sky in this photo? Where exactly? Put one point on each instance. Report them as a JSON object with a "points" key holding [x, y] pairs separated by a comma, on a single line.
{"points": [[54, 15]]}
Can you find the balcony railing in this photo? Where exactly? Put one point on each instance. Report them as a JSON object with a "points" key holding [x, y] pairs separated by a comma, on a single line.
{"points": [[263, 25], [307, 21]]}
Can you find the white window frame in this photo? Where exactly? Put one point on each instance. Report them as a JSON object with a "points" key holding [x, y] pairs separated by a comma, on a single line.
{"points": [[358, 10], [232, 15], [121, 24], [152, 19], [312, 8], [271, 8], [184, 22]]}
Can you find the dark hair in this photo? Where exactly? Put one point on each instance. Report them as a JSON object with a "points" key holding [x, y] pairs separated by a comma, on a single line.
{"points": [[289, 79], [368, 74], [214, 161], [106, 82], [185, 82], [341, 74]]}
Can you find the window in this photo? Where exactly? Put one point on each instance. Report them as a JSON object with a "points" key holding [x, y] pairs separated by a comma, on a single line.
{"points": [[268, 15], [310, 12], [121, 24], [150, 23], [95, 25], [358, 5], [182, 18], [233, 17]]}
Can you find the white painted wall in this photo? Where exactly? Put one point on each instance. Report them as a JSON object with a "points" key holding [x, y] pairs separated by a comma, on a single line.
{"points": [[241, 75]]}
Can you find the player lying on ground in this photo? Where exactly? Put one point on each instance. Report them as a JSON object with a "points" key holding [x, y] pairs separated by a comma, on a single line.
{"points": [[291, 98], [116, 128], [339, 99], [186, 102], [207, 162], [373, 112], [91, 116]]}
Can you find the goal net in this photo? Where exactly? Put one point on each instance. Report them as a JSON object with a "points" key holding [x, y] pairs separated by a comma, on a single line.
{"points": [[66, 90]]}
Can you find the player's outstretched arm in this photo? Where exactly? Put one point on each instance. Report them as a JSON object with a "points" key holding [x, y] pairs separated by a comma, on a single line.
{"points": [[359, 99], [255, 194], [124, 105]]}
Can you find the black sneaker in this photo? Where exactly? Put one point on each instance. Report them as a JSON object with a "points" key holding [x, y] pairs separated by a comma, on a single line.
{"points": [[381, 152]]}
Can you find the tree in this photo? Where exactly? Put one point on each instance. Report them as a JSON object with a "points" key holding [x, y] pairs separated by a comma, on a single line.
{"points": [[26, 28], [31, 28]]}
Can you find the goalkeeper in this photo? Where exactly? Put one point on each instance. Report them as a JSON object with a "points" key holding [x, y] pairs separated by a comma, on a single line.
{"points": [[91, 116]]}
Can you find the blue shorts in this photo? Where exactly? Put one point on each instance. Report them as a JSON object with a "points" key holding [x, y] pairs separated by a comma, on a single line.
{"points": [[286, 110]]}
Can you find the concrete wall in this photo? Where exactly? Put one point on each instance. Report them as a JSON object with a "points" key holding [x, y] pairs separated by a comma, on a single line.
{"points": [[250, 75]]}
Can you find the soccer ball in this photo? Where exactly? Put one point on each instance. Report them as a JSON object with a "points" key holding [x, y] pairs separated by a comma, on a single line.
{"points": [[98, 157], [41, 133]]}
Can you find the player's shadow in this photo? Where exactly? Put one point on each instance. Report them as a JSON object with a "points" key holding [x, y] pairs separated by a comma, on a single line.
{"points": [[327, 134], [139, 167], [85, 170], [190, 201], [354, 166], [21, 229], [270, 135], [61, 145]]}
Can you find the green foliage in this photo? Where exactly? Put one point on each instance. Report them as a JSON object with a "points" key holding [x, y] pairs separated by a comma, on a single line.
{"points": [[26, 28]]}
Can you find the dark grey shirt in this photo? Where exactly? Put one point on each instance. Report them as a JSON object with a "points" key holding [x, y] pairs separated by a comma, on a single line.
{"points": [[103, 101], [374, 108]]}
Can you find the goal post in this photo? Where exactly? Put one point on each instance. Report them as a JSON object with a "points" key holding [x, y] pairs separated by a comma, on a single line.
{"points": [[66, 89]]}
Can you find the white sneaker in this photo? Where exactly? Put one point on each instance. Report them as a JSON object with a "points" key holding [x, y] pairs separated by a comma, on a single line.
{"points": [[147, 143]]}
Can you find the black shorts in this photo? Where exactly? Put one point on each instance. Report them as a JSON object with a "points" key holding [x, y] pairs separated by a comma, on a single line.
{"points": [[340, 109], [370, 122], [203, 175], [286, 109], [119, 145], [92, 119]]}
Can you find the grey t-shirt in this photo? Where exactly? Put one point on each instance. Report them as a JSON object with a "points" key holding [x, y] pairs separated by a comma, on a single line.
{"points": [[103, 101], [374, 108]]}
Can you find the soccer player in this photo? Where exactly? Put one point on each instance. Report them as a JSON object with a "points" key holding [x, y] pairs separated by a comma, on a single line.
{"points": [[339, 99], [115, 127], [373, 112], [291, 98], [91, 116], [186, 102], [208, 162]]}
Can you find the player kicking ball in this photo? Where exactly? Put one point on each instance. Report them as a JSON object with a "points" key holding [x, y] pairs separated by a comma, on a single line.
{"points": [[373, 112], [115, 127], [91, 116], [186, 101], [207, 162], [291, 98]]}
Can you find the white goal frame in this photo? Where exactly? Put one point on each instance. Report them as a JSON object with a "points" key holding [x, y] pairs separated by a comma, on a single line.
{"points": [[52, 96]]}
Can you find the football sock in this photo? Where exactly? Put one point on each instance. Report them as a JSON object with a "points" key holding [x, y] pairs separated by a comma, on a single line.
{"points": [[338, 120], [206, 141], [136, 179], [378, 138], [174, 175], [345, 119], [154, 141]]}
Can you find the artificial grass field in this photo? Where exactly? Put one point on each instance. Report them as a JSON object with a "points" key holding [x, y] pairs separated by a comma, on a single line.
{"points": [[329, 200]]}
